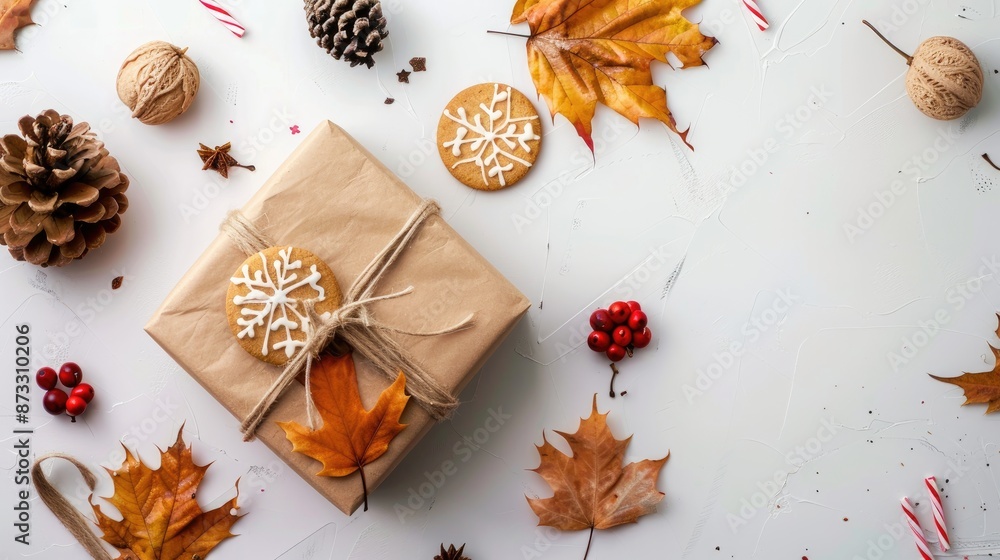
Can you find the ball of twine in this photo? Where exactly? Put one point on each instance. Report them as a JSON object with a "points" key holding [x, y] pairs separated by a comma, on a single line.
{"points": [[945, 79]]}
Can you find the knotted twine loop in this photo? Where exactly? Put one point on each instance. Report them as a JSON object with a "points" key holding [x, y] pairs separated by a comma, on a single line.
{"points": [[354, 323], [78, 525]]}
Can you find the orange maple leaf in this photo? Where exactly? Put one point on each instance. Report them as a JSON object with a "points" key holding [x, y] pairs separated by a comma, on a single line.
{"points": [[161, 519], [983, 387], [351, 437], [592, 490], [14, 14], [582, 52]]}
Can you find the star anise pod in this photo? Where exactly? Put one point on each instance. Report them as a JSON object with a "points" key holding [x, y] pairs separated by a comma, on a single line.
{"points": [[219, 159], [451, 553]]}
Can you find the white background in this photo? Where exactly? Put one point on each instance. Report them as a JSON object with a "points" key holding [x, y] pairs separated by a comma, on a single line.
{"points": [[832, 389]]}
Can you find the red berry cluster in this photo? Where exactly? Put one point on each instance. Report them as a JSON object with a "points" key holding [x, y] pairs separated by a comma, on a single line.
{"points": [[56, 401], [618, 330]]}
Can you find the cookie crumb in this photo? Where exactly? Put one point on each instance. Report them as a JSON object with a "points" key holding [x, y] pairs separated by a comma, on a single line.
{"points": [[418, 63], [117, 282], [404, 76], [389, 101]]}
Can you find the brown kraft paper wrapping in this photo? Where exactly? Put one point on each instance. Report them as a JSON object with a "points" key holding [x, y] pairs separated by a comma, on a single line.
{"points": [[333, 198]]}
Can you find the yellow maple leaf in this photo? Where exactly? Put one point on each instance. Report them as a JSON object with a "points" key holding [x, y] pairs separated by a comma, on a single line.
{"points": [[585, 52], [350, 437], [14, 14]]}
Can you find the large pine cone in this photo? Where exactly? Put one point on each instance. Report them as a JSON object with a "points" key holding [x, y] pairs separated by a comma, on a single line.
{"points": [[60, 191], [348, 29]]}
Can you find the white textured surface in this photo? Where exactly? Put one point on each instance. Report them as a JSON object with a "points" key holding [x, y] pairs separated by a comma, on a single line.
{"points": [[574, 235]]}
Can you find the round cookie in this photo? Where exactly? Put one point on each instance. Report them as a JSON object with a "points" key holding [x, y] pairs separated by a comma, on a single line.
{"points": [[488, 136], [266, 299]]}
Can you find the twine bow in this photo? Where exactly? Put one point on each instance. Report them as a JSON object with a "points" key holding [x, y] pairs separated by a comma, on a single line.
{"points": [[354, 323]]}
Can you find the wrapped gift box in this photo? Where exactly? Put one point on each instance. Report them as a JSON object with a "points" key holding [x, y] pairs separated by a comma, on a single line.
{"points": [[334, 199]]}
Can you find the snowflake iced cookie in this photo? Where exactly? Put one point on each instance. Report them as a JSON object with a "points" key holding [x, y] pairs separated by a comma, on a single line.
{"points": [[266, 301], [489, 136]]}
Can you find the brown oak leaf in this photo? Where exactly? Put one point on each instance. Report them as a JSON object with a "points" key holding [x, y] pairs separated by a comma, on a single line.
{"points": [[161, 520], [585, 52], [14, 14], [350, 437], [592, 489], [981, 387], [218, 158]]}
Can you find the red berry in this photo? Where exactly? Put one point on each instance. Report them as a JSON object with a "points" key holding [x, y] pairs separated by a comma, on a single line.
{"points": [[615, 353], [75, 406], [637, 321], [70, 374], [619, 312], [634, 306], [84, 391], [600, 320], [599, 341], [47, 378], [622, 336], [640, 339], [54, 401]]}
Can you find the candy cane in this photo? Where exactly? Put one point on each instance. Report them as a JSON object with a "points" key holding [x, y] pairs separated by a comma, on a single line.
{"points": [[918, 533], [756, 14], [939, 524], [225, 17]]}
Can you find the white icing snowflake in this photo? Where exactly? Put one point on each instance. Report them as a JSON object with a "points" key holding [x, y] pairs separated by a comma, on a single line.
{"points": [[491, 137], [269, 303]]}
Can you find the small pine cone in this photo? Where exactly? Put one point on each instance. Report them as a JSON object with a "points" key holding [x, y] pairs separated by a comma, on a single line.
{"points": [[351, 30], [60, 191]]}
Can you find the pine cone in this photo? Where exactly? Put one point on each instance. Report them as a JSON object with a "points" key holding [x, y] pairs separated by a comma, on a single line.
{"points": [[348, 29], [451, 553], [60, 191]]}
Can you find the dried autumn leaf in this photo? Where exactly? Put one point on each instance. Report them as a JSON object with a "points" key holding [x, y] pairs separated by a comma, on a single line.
{"points": [[14, 14], [981, 387], [161, 520], [350, 437], [582, 52], [592, 490]]}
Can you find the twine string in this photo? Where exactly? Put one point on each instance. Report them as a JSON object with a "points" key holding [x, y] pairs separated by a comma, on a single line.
{"points": [[69, 516], [354, 323]]}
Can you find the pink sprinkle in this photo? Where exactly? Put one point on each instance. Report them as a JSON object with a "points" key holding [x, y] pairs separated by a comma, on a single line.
{"points": [[294, 128]]}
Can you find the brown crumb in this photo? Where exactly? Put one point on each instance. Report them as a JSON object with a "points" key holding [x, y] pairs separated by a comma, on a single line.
{"points": [[404, 76], [845, 519], [418, 63], [117, 282], [389, 101]]}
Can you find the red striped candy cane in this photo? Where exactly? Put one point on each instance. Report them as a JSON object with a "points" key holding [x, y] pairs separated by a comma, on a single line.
{"points": [[918, 533], [756, 14], [225, 17], [939, 524]]}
